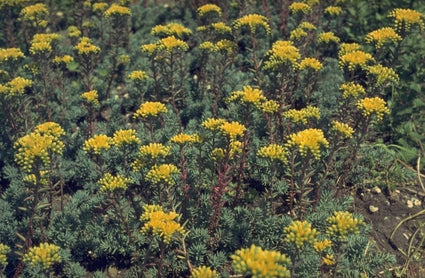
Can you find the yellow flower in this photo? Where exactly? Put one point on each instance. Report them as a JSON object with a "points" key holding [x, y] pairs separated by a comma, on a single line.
{"points": [[149, 48], [73, 32], [10, 54], [183, 138], [171, 43], [213, 124], [150, 109], [233, 129], [4, 250], [161, 223], [355, 59], [124, 59], [97, 143], [343, 223], [18, 85], [154, 150], [31, 178], [138, 75], [252, 21], [50, 128], [221, 27], [248, 95], [85, 47], [383, 35], [328, 259], [45, 254], [43, 42], [273, 152], [383, 74], [406, 18], [333, 10], [226, 46], [203, 272], [217, 154], [327, 37], [258, 263], [345, 48], [163, 172], [117, 10], [35, 13], [343, 129], [282, 52], [40, 47], [308, 140], [171, 29], [270, 106], [63, 59], [300, 233], [307, 26], [303, 114], [125, 137], [351, 89], [299, 7], [207, 45], [322, 245], [310, 63], [209, 8], [99, 7], [375, 105], [91, 97], [110, 183], [297, 34]]}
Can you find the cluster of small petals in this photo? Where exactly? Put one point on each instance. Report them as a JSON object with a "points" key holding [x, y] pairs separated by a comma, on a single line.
{"points": [[10, 54], [232, 129], [308, 140], [45, 255], [322, 245], [97, 143], [258, 263], [300, 233], [374, 105], [221, 27], [171, 43], [270, 106], [154, 150], [329, 259], [311, 2], [224, 45], [381, 36], [273, 152], [183, 138], [31, 178], [50, 128], [299, 7], [99, 7], [17, 86], [171, 29], [43, 42], [345, 48], [34, 146], [305, 25], [383, 74], [162, 173], [91, 97], [310, 63], [342, 129], [351, 89], [235, 147], [85, 47], [209, 8], [282, 52], [342, 224], [406, 18], [252, 21], [138, 75], [150, 109], [213, 124], [333, 10], [66, 59], [160, 223], [355, 59], [327, 37], [125, 137], [217, 154], [302, 115], [34, 12], [248, 95], [203, 272], [297, 34], [74, 32], [4, 250], [124, 59], [117, 10], [110, 183], [149, 48]]}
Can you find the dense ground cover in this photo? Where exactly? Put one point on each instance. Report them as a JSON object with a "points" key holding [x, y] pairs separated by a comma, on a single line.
{"points": [[195, 139]]}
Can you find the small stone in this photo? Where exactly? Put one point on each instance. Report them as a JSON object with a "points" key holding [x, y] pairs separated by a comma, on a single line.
{"points": [[373, 209], [416, 202], [376, 190]]}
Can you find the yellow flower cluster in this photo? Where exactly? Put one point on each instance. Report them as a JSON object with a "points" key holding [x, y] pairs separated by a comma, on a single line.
{"points": [[99, 7], [149, 48], [383, 74], [63, 59], [248, 95], [183, 138], [39, 145], [16, 86], [297, 34], [322, 245], [343, 223], [221, 27], [31, 178], [203, 272], [327, 37], [328, 259], [35, 13], [74, 32], [161, 223], [258, 263], [117, 11], [305, 25], [85, 47], [252, 21], [154, 150], [91, 97], [125, 137], [345, 48], [300, 233], [97, 143], [163, 172], [303, 114], [4, 250], [43, 42], [171, 43], [124, 59], [209, 8], [232, 129], [213, 124], [224, 45], [110, 183], [150, 109], [355, 59], [299, 7], [406, 18], [375, 105], [171, 29], [45, 255], [138, 75], [282, 52], [10, 54], [381, 36], [308, 139], [343, 129], [273, 152], [270, 106], [310, 63], [333, 10], [351, 89]]}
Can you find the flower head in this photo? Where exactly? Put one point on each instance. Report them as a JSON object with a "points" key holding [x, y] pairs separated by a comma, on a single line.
{"points": [[221, 27], [270, 106], [299, 7], [345, 48], [322, 245], [85, 47], [125, 137], [282, 52], [154, 150], [308, 140], [273, 152], [342, 224], [404, 19], [138, 75], [351, 89], [383, 35], [310, 63], [45, 254], [302, 115], [305, 25], [35, 13], [383, 75], [150, 109], [163, 172], [328, 259], [232, 129], [117, 11], [203, 272], [17, 86], [252, 21], [66, 59], [99, 7], [74, 32], [50, 128], [10, 54], [97, 143], [297, 34], [4, 250], [333, 10], [375, 105], [300, 233], [43, 42], [355, 59], [110, 183], [248, 95], [183, 138], [172, 43], [343, 129], [171, 29], [213, 124], [327, 37], [209, 9], [91, 97]]}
